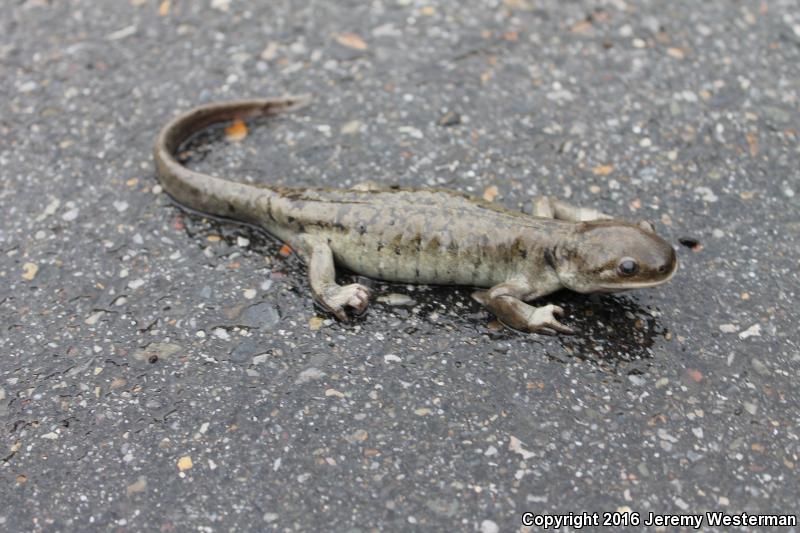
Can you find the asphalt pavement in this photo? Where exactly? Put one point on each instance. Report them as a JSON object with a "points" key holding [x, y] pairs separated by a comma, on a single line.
{"points": [[160, 371]]}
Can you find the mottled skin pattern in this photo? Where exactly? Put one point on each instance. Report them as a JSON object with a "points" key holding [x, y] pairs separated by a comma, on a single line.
{"points": [[429, 236]]}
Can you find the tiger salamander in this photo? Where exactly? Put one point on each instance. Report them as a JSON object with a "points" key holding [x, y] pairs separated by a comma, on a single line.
{"points": [[427, 236]]}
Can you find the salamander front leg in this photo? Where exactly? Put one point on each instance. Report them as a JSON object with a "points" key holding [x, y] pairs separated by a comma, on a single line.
{"points": [[505, 301], [549, 207], [322, 276]]}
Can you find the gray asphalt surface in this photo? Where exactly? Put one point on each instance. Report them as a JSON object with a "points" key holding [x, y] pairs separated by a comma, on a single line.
{"points": [[164, 372]]}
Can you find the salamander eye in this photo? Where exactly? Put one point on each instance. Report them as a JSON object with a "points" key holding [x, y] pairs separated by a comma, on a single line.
{"points": [[627, 267]]}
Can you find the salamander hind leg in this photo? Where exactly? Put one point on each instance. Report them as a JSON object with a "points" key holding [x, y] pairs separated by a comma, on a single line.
{"points": [[322, 276]]}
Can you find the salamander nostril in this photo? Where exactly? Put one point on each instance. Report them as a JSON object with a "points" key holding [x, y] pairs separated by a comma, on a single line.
{"points": [[662, 269]]}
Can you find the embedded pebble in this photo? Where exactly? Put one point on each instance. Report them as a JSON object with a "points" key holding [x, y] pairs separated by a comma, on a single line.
{"points": [[309, 374], [262, 315], [93, 318], [185, 463], [136, 283], [70, 215], [760, 367], [29, 271], [752, 331], [706, 194], [245, 350], [426, 385], [351, 127], [489, 526], [396, 299]]}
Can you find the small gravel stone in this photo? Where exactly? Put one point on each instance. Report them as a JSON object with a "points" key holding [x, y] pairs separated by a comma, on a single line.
{"points": [[70, 215], [489, 526], [396, 299], [262, 315], [309, 374], [260, 359], [760, 367], [752, 331]]}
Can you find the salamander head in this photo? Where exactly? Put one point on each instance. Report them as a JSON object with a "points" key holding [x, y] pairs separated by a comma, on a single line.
{"points": [[611, 256]]}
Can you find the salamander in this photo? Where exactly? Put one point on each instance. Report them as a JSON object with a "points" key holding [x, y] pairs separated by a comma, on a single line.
{"points": [[423, 236]]}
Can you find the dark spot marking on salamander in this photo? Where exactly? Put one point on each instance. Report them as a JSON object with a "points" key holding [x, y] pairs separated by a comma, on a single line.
{"points": [[518, 248], [290, 219], [415, 242], [269, 209], [231, 208], [361, 228], [325, 224], [397, 244], [380, 245], [291, 194], [416, 272], [550, 257]]}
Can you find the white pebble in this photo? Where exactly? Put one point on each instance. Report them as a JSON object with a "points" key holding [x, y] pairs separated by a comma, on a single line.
{"points": [[752, 331], [411, 132], [222, 333], [70, 215], [706, 194], [489, 526]]}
